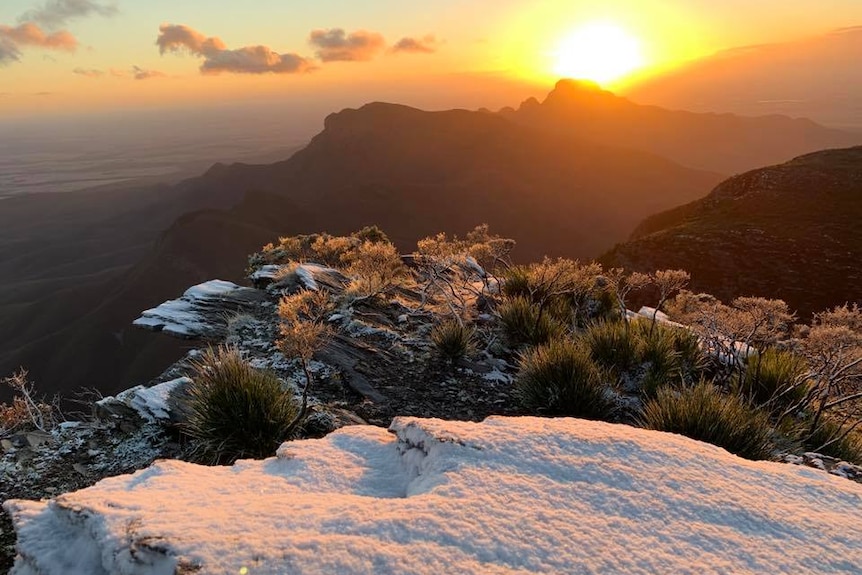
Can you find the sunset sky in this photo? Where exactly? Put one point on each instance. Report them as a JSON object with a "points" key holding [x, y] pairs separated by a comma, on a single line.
{"points": [[69, 56]]}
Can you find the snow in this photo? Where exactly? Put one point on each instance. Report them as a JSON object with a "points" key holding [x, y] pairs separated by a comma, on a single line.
{"points": [[306, 276], [506, 496], [150, 402], [210, 290], [183, 317], [267, 272]]}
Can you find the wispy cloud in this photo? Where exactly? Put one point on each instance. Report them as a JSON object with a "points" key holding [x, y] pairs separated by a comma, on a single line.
{"points": [[425, 45], [135, 72], [88, 72], [336, 45], [218, 58], [55, 13], [143, 74]]}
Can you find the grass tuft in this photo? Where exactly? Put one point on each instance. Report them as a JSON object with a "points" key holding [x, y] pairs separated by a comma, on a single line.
{"points": [[774, 378], [453, 340], [702, 412], [236, 411], [561, 379], [524, 323]]}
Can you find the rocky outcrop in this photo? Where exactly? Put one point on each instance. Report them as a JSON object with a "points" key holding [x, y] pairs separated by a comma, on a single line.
{"points": [[201, 312]]}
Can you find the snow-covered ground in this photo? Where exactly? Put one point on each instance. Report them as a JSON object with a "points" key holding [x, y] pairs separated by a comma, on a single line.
{"points": [[509, 495]]}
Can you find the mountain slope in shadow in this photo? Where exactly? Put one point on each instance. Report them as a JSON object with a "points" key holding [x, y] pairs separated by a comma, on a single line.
{"points": [[789, 231], [414, 173]]}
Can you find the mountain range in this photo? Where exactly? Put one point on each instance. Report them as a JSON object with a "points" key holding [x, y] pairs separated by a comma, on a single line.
{"points": [[564, 178]]}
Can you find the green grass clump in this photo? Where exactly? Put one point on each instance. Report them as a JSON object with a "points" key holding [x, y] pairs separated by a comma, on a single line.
{"points": [[516, 282], [452, 340], [702, 412], [611, 344], [236, 411], [643, 356], [524, 323], [561, 379], [847, 448], [774, 378]]}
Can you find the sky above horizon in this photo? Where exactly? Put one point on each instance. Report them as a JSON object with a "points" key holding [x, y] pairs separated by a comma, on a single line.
{"points": [[77, 56]]}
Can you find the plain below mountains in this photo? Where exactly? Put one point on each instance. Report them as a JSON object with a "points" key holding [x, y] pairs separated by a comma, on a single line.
{"points": [[790, 231], [76, 271]]}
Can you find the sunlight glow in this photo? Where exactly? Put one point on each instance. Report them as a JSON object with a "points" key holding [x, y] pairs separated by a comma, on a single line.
{"points": [[600, 51]]}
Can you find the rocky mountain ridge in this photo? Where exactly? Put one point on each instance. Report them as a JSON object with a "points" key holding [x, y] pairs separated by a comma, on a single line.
{"points": [[789, 231]]}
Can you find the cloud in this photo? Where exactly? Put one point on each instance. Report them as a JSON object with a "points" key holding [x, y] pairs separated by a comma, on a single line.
{"points": [[143, 74], [426, 45], [218, 58], [55, 13], [9, 51], [32, 26], [176, 37], [336, 45], [13, 38], [88, 72], [135, 72]]}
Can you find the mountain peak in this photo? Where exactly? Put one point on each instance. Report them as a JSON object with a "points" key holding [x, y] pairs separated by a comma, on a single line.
{"points": [[576, 85], [569, 90]]}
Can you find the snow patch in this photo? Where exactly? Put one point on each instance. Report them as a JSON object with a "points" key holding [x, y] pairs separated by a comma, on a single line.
{"points": [[506, 496], [151, 403], [182, 317]]}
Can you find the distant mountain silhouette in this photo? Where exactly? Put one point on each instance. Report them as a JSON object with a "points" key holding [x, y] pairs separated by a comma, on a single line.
{"points": [[414, 173], [818, 78], [789, 231], [722, 143]]}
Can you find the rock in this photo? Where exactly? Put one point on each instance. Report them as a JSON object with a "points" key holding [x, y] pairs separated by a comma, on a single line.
{"points": [[202, 310], [38, 439], [141, 403]]}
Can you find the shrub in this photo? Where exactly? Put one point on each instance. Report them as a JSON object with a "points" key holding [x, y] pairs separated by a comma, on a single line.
{"points": [[525, 324], [702, 412], [371, 234], [692, 359], [829, 438], [774, 378], [661, 360], [375, 267], [671, 355], [236, 411], [561, 379], [612, 345], [26, 412], [452, 340], [516, 282]]}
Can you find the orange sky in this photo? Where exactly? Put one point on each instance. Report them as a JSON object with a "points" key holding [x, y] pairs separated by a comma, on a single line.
{"points": [[102, 54]]}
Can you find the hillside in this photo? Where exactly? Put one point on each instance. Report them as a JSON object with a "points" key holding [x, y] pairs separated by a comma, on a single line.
{"points": [[723, 143], [413, 172], [789, 231]]}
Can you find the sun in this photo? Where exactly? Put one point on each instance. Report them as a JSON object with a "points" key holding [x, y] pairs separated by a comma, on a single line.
{"points": [[600, 51]]}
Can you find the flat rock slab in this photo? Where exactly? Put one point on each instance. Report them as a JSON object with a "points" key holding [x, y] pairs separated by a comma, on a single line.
{"points": [[202, 311]]}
